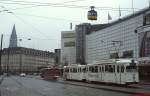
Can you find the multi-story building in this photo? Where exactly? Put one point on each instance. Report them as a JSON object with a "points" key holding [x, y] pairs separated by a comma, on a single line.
{"points": [[125, 38], [68, 47], [128, 37], [81, 31], [19, 59]]}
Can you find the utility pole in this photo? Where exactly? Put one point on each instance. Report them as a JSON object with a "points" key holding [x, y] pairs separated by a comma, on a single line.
{"points": [[8, 51], [1, 54]]}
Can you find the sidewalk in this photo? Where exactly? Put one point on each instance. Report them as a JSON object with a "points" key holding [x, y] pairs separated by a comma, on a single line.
{"points": [[142, 85]]}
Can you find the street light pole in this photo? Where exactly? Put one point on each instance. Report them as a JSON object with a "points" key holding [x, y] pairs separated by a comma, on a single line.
{"points": [[1, 54]]}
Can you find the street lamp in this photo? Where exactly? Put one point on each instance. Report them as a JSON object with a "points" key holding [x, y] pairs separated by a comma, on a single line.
{"points": [[1, 54]]}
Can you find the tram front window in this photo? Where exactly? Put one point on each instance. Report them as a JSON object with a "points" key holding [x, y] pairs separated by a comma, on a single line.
{"points": [[131, 68]]}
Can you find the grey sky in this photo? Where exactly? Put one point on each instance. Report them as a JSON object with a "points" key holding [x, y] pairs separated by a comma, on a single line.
{"points": [[43, 24]]}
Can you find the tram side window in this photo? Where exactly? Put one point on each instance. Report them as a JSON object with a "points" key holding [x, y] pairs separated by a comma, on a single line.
{"points": [[66, 70], [74, 70], [122, 68], [110, 68], [106, 68], [113, 68], [96, 68], [84, 70], [93, 69], [90, 69], [99, 68], [131, 68], [118, 68]]}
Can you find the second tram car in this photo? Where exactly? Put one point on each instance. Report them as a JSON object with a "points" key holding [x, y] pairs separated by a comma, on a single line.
{"points": [[110, 71], [50, 73], [74, 72]]}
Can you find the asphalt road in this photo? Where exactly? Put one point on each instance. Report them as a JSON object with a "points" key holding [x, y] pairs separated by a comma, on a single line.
{"points": [[24, 86]]}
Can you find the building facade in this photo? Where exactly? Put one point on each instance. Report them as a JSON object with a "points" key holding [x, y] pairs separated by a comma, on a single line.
{"points": [[68, 47], [81, 31], [19, 59], [127, 37]]}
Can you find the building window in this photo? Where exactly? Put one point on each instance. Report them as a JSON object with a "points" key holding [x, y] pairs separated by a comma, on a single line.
{"points": [[128, 54], [114, 55], [146, 20]]}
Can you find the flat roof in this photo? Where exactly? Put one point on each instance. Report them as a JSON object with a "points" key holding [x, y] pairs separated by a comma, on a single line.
{"points": [[103, 26]]}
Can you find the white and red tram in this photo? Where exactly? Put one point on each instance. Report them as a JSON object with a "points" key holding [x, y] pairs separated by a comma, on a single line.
{"points": [[121, 71]]}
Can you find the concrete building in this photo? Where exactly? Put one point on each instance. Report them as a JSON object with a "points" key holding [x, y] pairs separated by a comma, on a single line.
{"points": [[19, 59], [81, 31], [68, 47], [127, 37]]}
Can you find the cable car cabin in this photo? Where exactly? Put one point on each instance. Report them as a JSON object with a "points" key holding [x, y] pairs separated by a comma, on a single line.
{"points": [[74, 72], [117, 72], [92, 14], [50, 73]]}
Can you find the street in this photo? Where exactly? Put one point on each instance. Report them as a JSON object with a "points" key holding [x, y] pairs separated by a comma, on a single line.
{"points": [[26, 86]]}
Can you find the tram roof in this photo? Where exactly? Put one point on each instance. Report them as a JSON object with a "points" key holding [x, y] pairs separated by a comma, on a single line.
{"points": [[75, 65], [113, 61]]}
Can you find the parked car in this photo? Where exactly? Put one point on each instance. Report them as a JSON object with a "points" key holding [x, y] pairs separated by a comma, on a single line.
{"points": [[22, 74]]}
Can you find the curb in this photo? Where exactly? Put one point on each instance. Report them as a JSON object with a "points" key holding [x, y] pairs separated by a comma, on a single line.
{"points": [[108, 89]]}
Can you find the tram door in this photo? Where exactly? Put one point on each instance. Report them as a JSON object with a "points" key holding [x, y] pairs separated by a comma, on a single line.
{"points": [[120, 74], [102, 73]]}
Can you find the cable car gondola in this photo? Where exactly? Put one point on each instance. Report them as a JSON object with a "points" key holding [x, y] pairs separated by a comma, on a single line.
{"points": [[92, 14]]}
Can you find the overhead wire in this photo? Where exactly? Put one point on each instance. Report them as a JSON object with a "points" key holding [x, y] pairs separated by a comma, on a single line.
{"points": [[36, 4], [30, 25], [44, 17], [26, 23]]}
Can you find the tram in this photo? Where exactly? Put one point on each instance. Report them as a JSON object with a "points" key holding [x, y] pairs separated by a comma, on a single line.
{"points": [[74, 72], [50, 73], [109, 71]]}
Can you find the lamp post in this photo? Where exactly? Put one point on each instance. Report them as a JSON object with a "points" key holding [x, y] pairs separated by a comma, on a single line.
{"points": [[1, 54]]}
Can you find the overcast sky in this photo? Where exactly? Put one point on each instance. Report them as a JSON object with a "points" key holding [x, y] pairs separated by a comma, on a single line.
{"points": [[43, 24]]}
